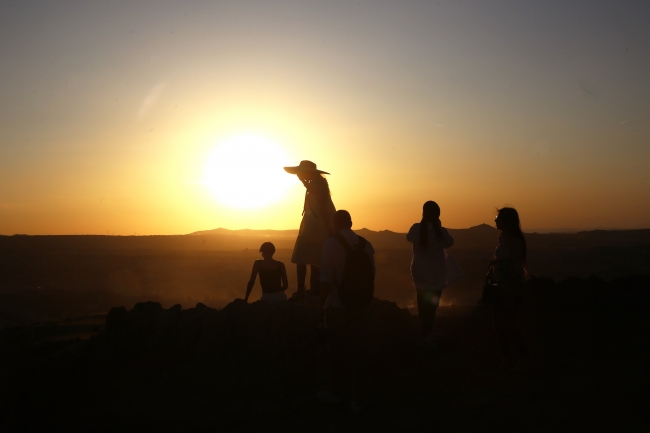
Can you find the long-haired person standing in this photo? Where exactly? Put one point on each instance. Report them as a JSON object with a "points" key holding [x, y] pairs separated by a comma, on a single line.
{"points": [[509, 270], [429, 239], [316, 225]]}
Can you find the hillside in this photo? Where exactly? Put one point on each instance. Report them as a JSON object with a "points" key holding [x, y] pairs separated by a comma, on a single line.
{"points": [[45, 278]]}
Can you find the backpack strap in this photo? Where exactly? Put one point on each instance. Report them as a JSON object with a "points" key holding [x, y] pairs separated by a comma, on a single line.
{"points": [[360, 246], [343, 242], [362, 243]]}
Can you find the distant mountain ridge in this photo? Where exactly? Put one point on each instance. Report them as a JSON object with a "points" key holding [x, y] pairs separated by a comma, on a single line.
{"points": [[483, 237], [250, 232], [385, 239], [479, 238], [245, 232]]}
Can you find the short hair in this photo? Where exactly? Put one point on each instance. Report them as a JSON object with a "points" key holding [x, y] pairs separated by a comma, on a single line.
{"points": [[267, 247], [342, 220]]}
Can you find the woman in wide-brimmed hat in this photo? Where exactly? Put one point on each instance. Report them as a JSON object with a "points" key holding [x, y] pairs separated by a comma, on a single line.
{"points": [[316, 225]]}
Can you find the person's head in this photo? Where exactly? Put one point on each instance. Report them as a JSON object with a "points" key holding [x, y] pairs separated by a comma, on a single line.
{"points": [[308, 175], [267, 249], [507, 220], [306, 170], [430, 211], [342, 220], [430, 214]]}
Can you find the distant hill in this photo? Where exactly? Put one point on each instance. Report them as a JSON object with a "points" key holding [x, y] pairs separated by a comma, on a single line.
{"points": [[246, 232], [384, 239], [480, 238]]}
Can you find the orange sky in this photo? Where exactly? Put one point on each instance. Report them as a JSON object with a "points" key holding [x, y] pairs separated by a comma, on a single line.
{"points": [[109, 113]]}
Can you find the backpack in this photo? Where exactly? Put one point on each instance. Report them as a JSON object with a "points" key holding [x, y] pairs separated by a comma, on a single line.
{"points": [[357, 286]]}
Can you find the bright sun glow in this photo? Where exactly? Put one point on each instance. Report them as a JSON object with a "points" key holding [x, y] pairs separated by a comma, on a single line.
{"points": [[246, 172]]}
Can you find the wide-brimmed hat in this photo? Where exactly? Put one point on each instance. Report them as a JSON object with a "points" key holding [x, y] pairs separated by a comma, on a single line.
{"points": [[304, 166]]}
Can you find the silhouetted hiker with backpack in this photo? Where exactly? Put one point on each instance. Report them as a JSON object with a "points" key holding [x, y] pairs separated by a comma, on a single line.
{"points": [[429, 239], [347, 289]]}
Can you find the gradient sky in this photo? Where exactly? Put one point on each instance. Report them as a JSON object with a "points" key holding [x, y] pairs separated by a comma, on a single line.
{"points": [[109, 110]]}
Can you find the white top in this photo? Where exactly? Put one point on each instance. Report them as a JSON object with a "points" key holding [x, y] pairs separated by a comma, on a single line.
{"points": [[428, 267], [333, 262]]}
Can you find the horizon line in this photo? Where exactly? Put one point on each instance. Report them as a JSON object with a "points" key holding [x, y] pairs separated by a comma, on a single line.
{"points": [[563, 230]]}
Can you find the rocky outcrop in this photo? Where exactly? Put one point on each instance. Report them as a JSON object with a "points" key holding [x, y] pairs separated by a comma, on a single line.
{"points": [[242, 347]]}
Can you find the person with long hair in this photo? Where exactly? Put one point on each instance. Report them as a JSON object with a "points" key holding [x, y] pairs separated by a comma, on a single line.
{"points": [[509, 270], [316, 225], [429, 240]]}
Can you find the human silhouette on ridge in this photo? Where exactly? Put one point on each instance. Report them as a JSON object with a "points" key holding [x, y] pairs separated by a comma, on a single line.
{"points": [[316, 225]]}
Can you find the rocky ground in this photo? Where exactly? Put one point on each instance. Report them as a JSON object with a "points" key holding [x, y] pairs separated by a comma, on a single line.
{"points": [[256, 367]]}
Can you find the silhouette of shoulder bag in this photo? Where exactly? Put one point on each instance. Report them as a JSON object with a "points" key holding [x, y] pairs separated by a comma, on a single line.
{"points": [[491, 288]]}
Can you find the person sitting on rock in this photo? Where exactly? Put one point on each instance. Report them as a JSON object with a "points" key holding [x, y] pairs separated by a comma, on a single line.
{"points": [[273, 276]]}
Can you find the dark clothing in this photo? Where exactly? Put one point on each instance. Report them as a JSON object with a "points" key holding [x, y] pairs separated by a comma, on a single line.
{"points": [[511, 274], [271, 279], [510, 269], [428, 301], [314, 230]]}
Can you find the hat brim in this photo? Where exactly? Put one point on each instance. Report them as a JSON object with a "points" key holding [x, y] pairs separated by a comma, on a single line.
{"points": [[298, 169]]}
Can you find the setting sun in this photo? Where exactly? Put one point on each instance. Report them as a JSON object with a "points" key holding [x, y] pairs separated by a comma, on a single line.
{"points": [[246, 172]]}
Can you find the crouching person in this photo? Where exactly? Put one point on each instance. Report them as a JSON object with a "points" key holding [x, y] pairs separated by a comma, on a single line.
{"points": [[347, 289]]}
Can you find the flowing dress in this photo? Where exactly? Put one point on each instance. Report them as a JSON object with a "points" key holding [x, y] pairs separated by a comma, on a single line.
{"points": [[314, 227]]}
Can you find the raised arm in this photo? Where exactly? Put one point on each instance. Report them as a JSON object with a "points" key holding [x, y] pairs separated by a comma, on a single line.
{"points": [[447, 240], [251, 282], [410, 236]]}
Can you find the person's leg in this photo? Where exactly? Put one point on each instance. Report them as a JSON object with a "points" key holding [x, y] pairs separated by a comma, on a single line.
{"points": [[302, 274], [314, 280], [426, 311]]}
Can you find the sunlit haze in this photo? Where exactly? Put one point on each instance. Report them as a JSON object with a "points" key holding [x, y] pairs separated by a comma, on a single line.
{"points": [[243, 172], [139, 117]]}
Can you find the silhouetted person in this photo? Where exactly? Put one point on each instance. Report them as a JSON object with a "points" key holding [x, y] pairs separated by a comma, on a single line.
{"points": [[347, 288], [273, 276], [429, 239], [316, 225], [509, 270]]}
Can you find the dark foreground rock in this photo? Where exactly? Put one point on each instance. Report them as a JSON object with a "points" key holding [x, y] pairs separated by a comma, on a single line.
{"points": [[257, 367]]}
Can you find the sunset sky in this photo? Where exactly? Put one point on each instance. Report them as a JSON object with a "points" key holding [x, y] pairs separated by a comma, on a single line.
{"points": [[111, 113]]}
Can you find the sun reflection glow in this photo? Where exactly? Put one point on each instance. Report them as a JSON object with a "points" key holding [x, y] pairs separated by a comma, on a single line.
{"points": [[246, 172]]}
